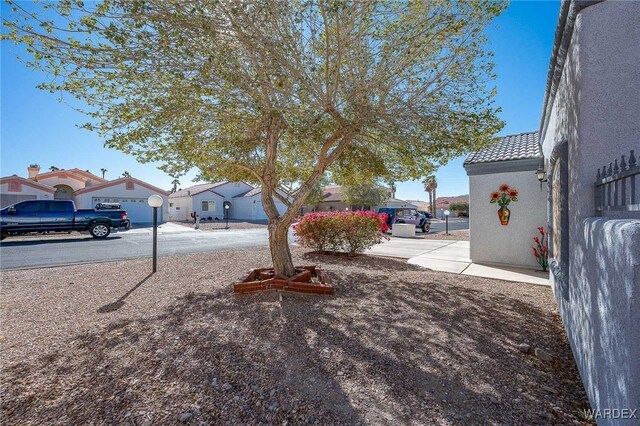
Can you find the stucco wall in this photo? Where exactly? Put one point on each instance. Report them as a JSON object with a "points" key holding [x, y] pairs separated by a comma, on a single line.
{"points": [[250, 208], [596, 110], [27, 190], [601, 312], [208, 196], [180, 208], [232, 189], [75, 184], [494, 243], [84, 201]]}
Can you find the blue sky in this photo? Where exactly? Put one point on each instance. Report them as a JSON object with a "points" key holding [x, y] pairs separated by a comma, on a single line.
{"points": [[38, 127]]}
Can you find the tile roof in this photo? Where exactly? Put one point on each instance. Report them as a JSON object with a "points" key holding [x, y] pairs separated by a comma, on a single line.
{"points": [[511, 147], [196, 189]]}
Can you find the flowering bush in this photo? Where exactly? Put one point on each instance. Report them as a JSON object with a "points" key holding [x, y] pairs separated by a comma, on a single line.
{"points": [[351, 232], [504, 196], [541, 249]]}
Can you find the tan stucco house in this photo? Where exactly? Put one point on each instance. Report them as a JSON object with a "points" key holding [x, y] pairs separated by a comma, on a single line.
{"points": [[85, 189]]}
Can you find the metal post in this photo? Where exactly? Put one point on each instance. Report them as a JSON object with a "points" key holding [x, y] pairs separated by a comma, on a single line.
{"points": [[446, 224], [226, 215], [155, 238]]}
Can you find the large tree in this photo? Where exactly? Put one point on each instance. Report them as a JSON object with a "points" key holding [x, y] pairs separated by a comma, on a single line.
{"points": [[273, 92]]}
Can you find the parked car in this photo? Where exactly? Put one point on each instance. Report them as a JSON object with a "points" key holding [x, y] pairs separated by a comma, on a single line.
{"points": [[42, 216], [404, 215]]}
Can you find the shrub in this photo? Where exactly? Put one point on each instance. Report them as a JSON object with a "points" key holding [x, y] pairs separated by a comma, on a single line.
{"points": [[351, 232], [541, 249]]}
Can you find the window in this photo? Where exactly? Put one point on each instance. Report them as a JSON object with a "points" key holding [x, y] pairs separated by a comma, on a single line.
{"points": [[170, 204], [57, 207], [129, 186], [29, 206], [177, 208], [208, 206]]}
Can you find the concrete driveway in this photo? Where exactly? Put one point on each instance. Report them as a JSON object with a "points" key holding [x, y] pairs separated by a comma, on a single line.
{"points": [[453, 257]]}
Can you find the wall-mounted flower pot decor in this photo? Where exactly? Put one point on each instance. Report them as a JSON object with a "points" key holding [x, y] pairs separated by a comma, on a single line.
{"points": [[503, 197]]}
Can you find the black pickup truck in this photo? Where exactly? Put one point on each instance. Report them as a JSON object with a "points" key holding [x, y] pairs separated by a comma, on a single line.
{"points": [[58, 216]]}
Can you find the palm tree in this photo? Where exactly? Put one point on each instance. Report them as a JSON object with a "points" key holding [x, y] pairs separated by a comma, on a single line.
{"points": [[53, 168], [126, 174], [392, 188], [175, 184], [103, 172], [430, 184]]}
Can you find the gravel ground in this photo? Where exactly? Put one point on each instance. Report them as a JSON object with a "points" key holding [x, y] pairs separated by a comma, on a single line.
{"points": [[109, 344], [459, 235], [216, 225]]}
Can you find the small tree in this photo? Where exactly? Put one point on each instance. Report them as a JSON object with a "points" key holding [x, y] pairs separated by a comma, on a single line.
{"points": [[103, 170], [364, 195], [276, 93], [126, 174], [462, 207], [175, 182], [53, 168]]}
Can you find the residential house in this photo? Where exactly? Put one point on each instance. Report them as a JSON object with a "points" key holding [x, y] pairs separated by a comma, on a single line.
{"points": [[334, 200], [84, 188], [209, 200]]}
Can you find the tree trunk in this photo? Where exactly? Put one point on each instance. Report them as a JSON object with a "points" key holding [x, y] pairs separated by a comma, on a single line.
{"points": [[430, 202], [280, 253], [435, 206]]}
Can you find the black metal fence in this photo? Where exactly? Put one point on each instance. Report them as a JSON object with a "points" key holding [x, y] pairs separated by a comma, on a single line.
{"points": [[615, 186]]}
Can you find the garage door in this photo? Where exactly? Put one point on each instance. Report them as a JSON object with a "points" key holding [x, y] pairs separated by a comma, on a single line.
{"points": [[9, 199], [138, 210]]}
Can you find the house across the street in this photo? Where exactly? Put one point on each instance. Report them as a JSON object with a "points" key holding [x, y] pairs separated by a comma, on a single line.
{"points": [[85, 189], [209, 200], [333, 199]]}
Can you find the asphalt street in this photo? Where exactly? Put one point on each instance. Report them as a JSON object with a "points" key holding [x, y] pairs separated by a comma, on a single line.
{"points": [[55, 250]]}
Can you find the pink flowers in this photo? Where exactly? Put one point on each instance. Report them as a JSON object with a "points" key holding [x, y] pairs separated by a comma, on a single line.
{"points": [[540, 250], [350, 231]]}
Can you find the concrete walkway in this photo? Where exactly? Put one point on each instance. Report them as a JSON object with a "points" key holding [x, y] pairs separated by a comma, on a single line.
{"points": [[453, 257]]}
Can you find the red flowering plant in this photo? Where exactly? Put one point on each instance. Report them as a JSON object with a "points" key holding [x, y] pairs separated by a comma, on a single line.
{"points": [[541, 249], [504, 196], [341, 231]]}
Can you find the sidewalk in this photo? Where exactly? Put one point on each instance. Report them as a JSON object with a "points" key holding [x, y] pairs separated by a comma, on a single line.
{"points": [[164, 228], [453, 257]]}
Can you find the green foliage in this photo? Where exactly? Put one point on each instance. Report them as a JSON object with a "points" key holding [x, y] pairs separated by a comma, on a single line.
{"points": [[206, 85], [462, 206], [363, 195], [317, 193], [350, 232]]}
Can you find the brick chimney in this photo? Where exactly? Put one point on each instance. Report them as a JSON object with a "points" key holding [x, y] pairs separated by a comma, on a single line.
{"points": [[33, 170]]}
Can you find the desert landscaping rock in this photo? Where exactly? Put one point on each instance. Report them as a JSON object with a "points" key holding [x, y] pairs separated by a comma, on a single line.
{"points": [[403, 337], [543, 355], [524, 348], [185, 417]]}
